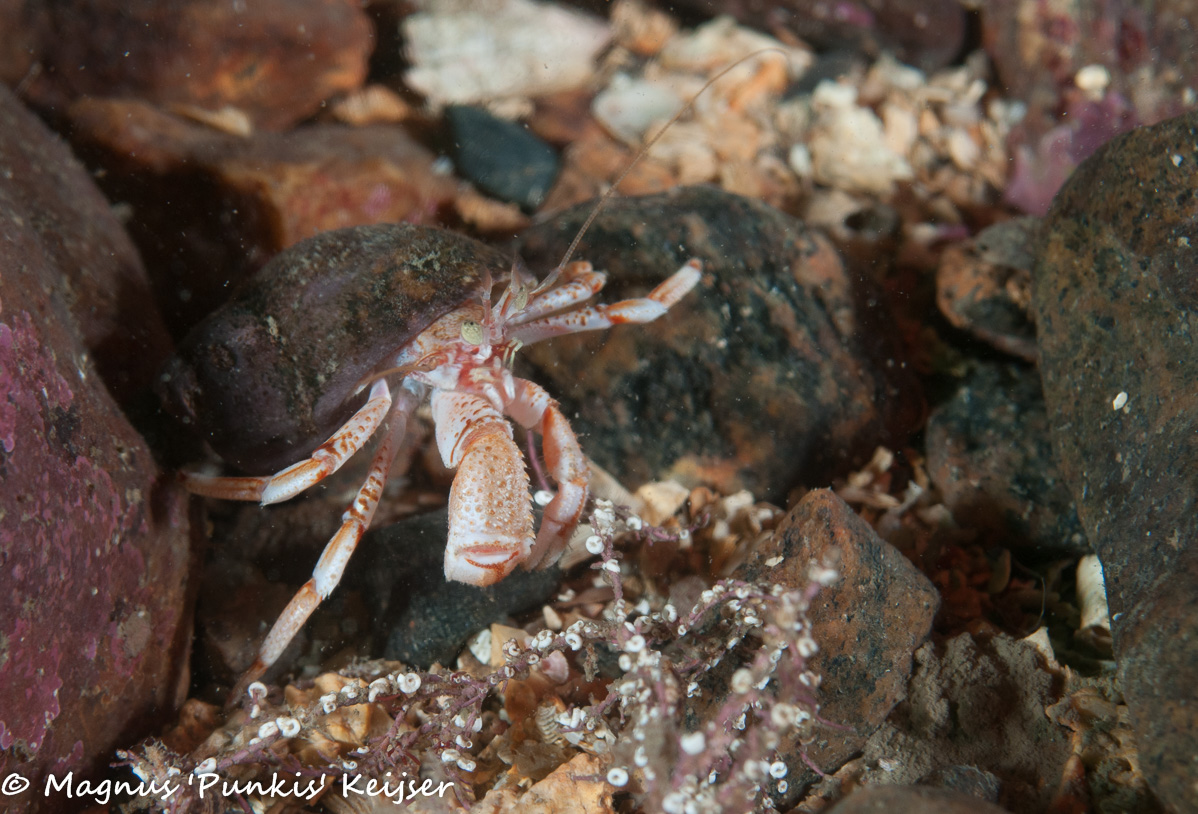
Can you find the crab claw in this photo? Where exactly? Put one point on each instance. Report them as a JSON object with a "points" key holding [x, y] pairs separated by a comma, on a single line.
{"points": [[490, 518], [481, 564]]}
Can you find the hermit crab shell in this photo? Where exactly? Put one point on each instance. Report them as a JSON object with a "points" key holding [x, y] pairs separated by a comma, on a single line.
{"points": [[268, 376]]}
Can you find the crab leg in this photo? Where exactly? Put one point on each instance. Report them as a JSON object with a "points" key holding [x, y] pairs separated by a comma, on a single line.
{"points": [[531, 406], [490, 520], [598, 317], [338, 550], [583, 282], [324, 461]]}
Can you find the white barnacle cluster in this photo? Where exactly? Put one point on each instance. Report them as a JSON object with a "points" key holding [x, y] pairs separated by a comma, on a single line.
{"points": [[544, 640], [594, 544], [714, 793], [463, 761], [288, 726], [769, 703], [358, 691], [409, 683], [580, 728], [377, 688], [579, 632], [603, 518]]}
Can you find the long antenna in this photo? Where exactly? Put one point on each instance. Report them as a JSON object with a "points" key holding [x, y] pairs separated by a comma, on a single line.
{"points": [[643, 152]]}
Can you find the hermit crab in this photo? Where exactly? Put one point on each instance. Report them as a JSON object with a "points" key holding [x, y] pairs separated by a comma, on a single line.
{"points": [[343, 336]]}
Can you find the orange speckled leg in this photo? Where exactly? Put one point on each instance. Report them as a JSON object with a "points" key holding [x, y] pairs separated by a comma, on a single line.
{"points": [[490, 518], [337, 551], [598, 317], [532, 406], [324, 461], [583, 282]]}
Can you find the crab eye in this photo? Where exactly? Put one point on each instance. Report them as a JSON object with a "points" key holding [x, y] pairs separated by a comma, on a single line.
{"points": [[472, 332]]}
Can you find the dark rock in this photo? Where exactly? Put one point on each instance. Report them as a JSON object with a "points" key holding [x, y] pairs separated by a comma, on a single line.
{"points": [[422, 618], [867, 624], [501, 158], [990, 455], [890, 799], [969, 780], [393, 600], [276, 62], [1116, 297], [102, 281], [94, 632], [777, 369], [259, 558], [984, 286], [236, 607], [929, 34], [209, 208]]}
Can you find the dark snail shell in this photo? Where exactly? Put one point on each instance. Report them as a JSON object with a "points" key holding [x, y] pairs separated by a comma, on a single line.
{"points": [[268, 376]]}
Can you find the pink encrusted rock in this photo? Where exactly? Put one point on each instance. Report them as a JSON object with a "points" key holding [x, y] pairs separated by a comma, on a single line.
{"points": [[1086, 72], [99, 274], [93, 627]]}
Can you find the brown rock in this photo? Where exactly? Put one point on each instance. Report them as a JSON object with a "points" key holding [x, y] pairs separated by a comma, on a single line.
{"points": [[890, 799], [984, 286], [975, 701], [777, 369], [209, 207], [24, 26], [990, 455], [274, 61], [102, 281], [595, 160], [1116, 297], [576, 787], [867, 624], [94, 634]]}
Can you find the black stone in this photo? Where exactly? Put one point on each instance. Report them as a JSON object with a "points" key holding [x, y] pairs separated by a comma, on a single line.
{"points": [[990, 454], [501, 158], [423, 619]]}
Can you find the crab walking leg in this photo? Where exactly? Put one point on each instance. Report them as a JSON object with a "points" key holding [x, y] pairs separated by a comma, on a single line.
{"points": [[583, 283], [324, 461], [598, 317], [339, 549], [530, 406], [490, 519]]}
